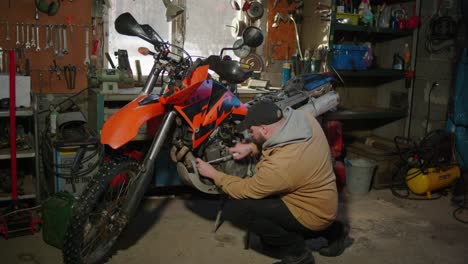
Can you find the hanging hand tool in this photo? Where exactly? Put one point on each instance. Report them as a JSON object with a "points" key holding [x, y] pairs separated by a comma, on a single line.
{"points": [[51, 37], [28, 44], [69, 72], [70, 23], [17, 35], [56, 45], [47, 38], [57, 70], [60, 43], [65, 49], [7, 31], [275, 4], [33, 37], [22, 33], [87, 61], [37, 35]]}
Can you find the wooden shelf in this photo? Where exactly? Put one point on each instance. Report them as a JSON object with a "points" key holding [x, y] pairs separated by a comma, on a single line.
{"points": [[370, 77]]}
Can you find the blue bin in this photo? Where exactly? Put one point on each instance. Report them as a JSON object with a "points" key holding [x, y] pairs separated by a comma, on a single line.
{"points": [[349, 57]]}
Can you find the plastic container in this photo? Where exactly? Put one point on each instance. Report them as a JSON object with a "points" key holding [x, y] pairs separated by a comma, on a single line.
{"points": [[347, 18], [349, 57], [56, 212], [385, 158], [359, 175], [286, 72]]}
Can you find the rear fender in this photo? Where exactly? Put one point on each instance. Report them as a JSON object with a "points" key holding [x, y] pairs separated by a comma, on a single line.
{"points": [[123, 126]]}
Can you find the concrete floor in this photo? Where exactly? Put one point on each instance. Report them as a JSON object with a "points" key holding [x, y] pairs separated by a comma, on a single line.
{"points": [[384, 229]]}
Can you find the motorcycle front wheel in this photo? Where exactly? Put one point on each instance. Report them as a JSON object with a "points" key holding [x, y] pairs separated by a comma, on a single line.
{"points": [[97, 221]]}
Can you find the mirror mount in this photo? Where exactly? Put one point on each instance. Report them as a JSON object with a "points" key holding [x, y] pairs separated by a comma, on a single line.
{"points": [[252, 37]]}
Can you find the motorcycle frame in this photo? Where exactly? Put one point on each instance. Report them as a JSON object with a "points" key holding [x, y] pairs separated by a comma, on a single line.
{"points": [[147, 166]]}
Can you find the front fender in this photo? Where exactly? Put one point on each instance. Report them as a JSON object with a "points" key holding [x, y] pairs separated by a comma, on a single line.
{"points": [[121, 127]]}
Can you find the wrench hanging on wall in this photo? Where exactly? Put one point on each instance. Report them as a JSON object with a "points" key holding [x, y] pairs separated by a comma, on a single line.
{"points": [[33, 38], [28, 44], [65, 49], [17, 35], [37, 35], [7, 31], [47, 38], [87, 61]]}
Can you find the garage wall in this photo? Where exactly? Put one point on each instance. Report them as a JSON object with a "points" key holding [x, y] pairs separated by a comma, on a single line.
{"points": [[23, 11], [432, 68]]}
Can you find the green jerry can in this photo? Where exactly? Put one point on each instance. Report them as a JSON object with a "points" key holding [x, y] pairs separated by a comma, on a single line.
{"points": [[56, 211]]}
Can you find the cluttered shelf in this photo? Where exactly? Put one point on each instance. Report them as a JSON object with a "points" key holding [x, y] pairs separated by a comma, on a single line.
{"points": [[19, 112], [374, 33], [7, 197], [26, 153], [370, 77]]}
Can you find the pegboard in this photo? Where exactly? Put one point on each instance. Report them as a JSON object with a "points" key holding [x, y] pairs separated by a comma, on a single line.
{"points": [[284, 34], [76, 13]]}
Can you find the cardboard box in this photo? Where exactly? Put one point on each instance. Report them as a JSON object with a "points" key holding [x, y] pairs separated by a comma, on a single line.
{"points": [[23, 89]]}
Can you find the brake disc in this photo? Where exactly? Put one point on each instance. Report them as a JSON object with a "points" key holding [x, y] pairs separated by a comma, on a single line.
{"points": [[254, 61], [242, 52]]}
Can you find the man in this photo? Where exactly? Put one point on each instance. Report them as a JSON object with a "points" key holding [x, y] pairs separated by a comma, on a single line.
{"points": [[293, 193]]}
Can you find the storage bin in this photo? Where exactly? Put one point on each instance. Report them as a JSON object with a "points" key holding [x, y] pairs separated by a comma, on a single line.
{"points": [[349, 57], [385, 158], [347, 18], [359, 174]]}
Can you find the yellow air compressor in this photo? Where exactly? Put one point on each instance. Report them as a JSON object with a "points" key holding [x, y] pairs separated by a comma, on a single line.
{"points": [[434, 178]]}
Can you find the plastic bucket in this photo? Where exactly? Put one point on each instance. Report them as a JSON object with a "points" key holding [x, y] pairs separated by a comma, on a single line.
{"points": [[359, 175]]}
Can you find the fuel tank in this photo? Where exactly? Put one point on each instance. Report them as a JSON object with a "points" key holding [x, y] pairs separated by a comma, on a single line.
{"points": [[434, 179]]}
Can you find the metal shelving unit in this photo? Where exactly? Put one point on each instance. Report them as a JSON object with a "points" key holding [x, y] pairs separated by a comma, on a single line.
{"points": [[29, 153], [370, 77]]}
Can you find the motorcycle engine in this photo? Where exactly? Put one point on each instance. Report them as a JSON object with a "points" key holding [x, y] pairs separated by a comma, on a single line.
{"points": [[216, 146]]}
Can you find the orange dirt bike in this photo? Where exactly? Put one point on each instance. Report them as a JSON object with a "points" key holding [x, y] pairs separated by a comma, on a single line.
{"points": [[197, 118]]}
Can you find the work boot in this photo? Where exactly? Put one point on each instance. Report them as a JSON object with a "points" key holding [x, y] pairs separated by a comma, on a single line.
{"points": [[336, 240], [305, 258]]}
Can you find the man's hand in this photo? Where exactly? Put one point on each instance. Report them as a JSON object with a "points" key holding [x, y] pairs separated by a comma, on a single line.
{"points": [[206, 169], [242, 149]]}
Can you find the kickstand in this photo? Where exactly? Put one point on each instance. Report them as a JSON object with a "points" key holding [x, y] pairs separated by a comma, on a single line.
{"points": [[222, 202]]}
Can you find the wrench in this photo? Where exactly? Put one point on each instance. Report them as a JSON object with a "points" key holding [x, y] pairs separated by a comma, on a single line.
{"points": [[37, 35], [28, 45], [60, 43], [17, 35], [51, 37], [65, 49], [7, 31], [56, 52], [47, 38], [33, 38], [87, 61]]}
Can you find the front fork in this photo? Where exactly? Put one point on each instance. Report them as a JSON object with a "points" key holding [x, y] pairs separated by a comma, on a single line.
{"points": [[146, 168]]}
